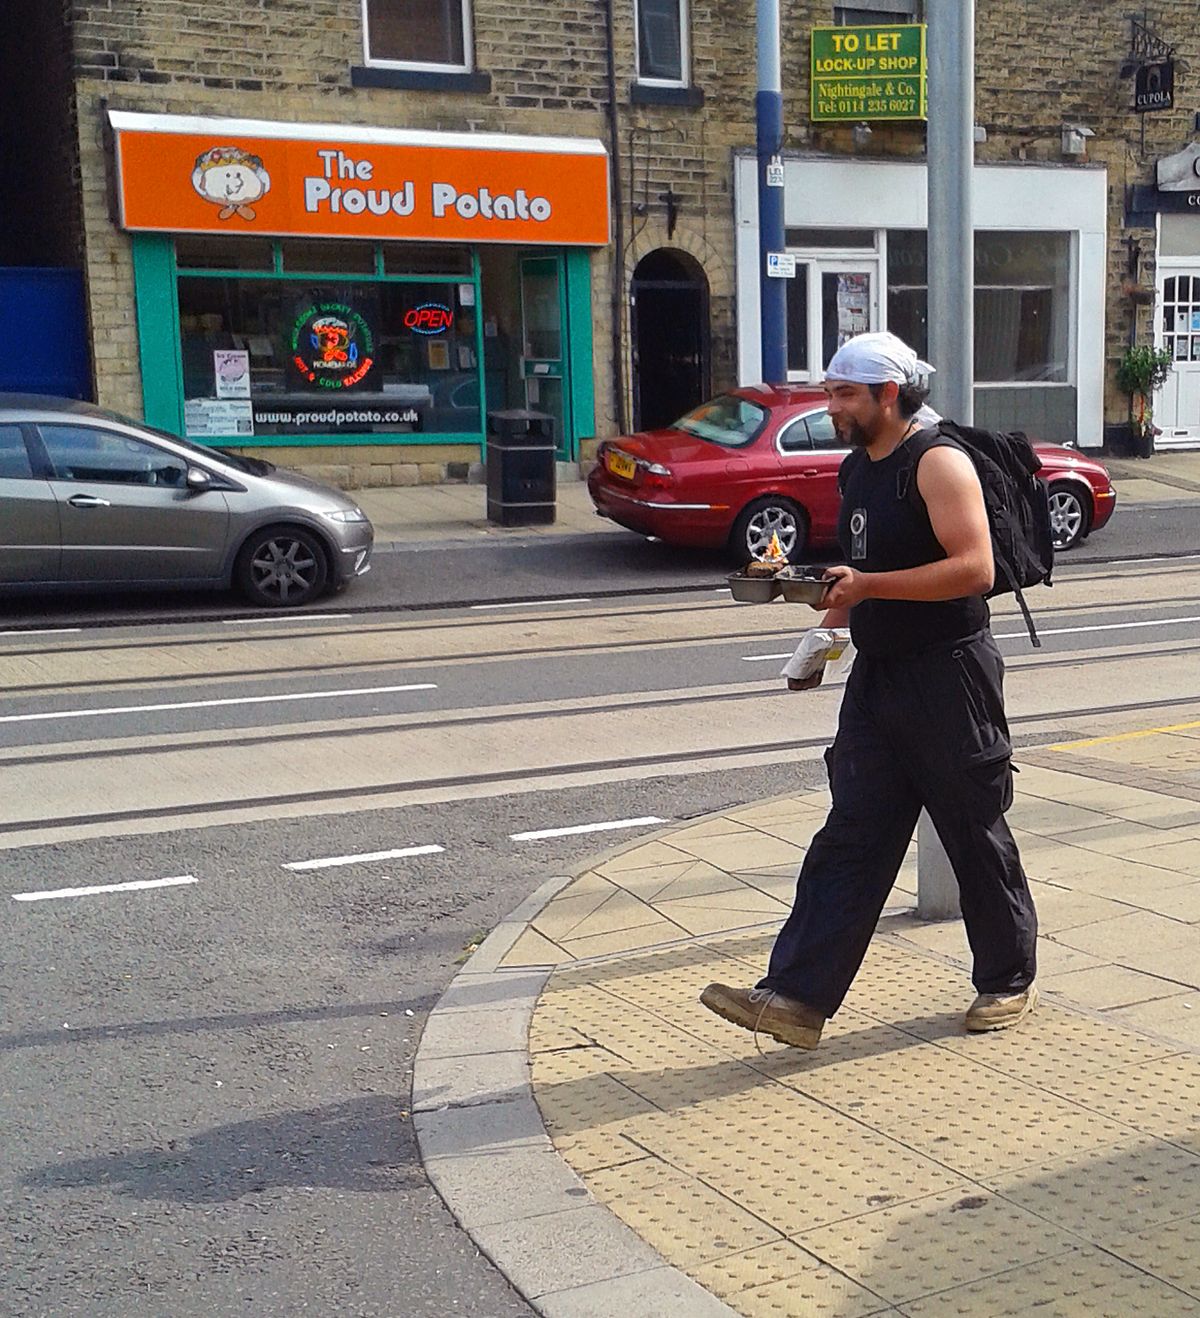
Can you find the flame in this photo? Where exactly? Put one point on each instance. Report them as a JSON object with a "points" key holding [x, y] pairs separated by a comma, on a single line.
{"points": [[774, 552]]}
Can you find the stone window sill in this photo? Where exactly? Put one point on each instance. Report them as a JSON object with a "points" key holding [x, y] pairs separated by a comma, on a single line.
{"points": [[419, 80]]}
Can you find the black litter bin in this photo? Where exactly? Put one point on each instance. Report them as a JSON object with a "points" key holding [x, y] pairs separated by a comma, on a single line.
{"points": [[521, 472]]}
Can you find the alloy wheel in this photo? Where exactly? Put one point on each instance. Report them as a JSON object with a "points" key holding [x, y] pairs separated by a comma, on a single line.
{"points": [[284, 569], [1067, 519], [772, 520]]}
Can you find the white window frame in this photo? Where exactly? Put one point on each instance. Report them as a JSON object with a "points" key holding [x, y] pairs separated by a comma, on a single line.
{"points": [[685, 48], [423, 66]]}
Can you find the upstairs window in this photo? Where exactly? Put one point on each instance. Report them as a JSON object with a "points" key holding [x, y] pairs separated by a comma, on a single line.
{"points": [[418, 34], [880, 13], [662, 30]]}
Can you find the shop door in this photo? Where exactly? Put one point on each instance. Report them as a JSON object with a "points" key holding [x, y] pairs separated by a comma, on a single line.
{"points": [[828, 302], [669, 301], [543, 350], [1177, 410]]}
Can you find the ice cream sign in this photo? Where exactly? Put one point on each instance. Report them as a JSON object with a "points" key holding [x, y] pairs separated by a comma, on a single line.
{"points": [[189, 175]]}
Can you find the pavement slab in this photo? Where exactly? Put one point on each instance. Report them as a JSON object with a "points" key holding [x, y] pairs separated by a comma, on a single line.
{"points": [[905, 1167]]}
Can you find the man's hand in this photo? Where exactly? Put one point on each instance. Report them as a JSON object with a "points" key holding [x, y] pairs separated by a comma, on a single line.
{"points": [[848, 589], [806, 683]]}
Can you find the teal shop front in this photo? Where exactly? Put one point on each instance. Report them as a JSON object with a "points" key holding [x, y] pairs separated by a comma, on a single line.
{"points": [[403, 345]]}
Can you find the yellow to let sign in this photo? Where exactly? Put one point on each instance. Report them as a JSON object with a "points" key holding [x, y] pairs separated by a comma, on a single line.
{"points": [[868, 73]]}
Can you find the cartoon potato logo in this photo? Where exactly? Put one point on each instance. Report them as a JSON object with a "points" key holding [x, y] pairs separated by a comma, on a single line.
{"points": [[232, 179], [333, 339]]}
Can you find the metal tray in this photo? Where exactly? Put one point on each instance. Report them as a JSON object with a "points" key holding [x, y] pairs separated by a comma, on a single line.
{"points": [[753, 590], [803, 590]]}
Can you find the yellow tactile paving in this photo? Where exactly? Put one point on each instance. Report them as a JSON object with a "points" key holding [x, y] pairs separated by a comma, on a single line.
{"points": [[933, 1244], [763, 1269], [1107, 1194], [905, 1167], [1083, 1284]]}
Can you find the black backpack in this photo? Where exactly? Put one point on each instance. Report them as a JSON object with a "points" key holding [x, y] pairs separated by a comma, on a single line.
{"points": [[1018, 506]]}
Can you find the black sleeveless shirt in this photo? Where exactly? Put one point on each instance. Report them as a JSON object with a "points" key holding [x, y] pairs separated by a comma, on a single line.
{"points": [[883, 529]]}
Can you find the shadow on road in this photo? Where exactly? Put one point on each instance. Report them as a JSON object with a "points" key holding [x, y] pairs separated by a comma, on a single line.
{"points": [[362, 1145]]}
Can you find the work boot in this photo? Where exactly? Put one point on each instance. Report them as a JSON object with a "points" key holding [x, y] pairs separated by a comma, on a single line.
{"points": [[997, 1011], [764, 1011]]}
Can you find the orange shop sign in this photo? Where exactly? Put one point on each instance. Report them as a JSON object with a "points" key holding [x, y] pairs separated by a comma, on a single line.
{"points": [[179, 174]]}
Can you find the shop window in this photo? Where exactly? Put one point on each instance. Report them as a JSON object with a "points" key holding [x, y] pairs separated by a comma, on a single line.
{"points": [[434, 259], [662, 31], [840, 238], [1022, 302], [292, 357], [881, 12], [319, 256], [797, 320], [429, 34], [217, 252]]}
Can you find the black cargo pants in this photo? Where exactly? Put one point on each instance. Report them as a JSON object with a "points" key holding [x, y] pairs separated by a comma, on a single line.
{"points": [[924, 729]]}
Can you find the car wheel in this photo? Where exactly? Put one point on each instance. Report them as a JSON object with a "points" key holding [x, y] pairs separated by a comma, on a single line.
{"points": [[1068, 516], [763, 518], [281, 567]]}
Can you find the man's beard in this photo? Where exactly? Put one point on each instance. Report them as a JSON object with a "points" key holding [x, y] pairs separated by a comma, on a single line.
{"points": [[856, 436]]}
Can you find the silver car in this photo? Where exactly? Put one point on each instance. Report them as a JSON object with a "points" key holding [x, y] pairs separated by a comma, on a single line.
{"points": [[89, 498]]}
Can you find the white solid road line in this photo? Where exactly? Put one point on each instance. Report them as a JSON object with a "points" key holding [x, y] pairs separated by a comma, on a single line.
{"points": [[332, 862], [1042, 631], [135, 886], [586, 828], [1095, 627], [531, 604], [49, 716]]}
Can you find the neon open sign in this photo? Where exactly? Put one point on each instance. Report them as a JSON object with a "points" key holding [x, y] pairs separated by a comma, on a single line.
{"points": [[429, 318]]}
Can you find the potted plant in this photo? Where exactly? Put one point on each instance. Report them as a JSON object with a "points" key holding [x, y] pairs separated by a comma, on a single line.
{"points": [[1140, 371]]}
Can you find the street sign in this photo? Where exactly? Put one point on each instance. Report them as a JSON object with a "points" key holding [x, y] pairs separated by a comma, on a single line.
{"points": [[863, 73], [775, 172], [781, 265]]}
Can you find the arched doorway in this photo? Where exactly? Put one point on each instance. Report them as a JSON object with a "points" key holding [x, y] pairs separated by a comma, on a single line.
{"points": [[669, 300]]}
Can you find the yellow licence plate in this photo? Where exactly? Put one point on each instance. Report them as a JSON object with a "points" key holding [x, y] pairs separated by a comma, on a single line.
{"points": [[620, 465]]}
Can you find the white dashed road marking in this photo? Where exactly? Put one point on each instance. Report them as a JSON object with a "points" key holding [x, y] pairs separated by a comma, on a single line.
{"points": [[586, 828], [332, 862], [135, 886]]}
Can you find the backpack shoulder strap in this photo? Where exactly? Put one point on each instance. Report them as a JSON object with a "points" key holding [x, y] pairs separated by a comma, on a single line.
{"points": [[941, 435]]}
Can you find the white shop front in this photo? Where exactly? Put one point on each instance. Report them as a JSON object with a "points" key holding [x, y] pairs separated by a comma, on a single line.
{"points": [[857, 231]]}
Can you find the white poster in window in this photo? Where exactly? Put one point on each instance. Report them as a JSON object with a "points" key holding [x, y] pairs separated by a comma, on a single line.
{"points": [[217, 418], [466, 295], [231, 367], [853, 312]]}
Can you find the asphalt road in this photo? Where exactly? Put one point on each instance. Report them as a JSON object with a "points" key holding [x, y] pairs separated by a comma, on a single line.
{"points": [[206, 1088], [205, 1083], [515, 567]]}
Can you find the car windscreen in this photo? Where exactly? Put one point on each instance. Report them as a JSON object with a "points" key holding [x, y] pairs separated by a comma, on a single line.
{"points": [[253, 466], [726, 420]]}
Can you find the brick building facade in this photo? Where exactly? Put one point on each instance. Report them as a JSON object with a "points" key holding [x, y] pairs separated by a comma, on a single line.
{"points": [[680, 249]]}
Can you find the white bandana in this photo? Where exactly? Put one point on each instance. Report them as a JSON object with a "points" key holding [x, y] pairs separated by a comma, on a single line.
{"points": [[876, 358]]}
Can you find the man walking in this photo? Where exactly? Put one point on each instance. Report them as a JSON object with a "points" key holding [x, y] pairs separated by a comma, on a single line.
{"points": [[922, 720]]}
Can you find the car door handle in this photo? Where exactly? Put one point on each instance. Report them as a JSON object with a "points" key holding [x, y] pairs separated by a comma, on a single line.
{"points": [[810, 471], [88, 501]]}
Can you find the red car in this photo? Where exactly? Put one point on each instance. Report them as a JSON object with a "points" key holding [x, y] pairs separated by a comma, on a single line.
{"points": [[762, 460]]}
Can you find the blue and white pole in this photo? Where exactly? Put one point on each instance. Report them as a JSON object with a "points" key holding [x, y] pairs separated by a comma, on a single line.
{"points": [[768, 113]]}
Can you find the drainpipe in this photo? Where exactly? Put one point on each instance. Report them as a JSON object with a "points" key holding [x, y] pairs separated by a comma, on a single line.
{"points": [[618, 215]]}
